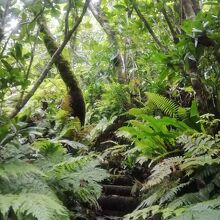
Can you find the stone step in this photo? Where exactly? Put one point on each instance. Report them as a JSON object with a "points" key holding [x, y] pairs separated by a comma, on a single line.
{"points": [[118, 203], [121, 180], [108, 218], [117, 190], [110, 215]]}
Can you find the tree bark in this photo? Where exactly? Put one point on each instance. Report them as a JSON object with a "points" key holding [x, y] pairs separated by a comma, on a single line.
{"points": [[172, 31], [188, 8], [118, 61], [76, 97], [205, 101]]}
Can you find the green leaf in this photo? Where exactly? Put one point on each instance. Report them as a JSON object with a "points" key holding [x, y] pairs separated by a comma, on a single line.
{"points": [[199, 215], [18, 51], [42, 207], [7, 65], [194, 109]]}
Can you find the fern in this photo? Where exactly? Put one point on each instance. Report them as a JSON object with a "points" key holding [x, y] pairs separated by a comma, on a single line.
{"points": [[48, 148], [187, 199], [191, 164], [171, 177], [200, 215], [202, 211], [152, 199], [198, 144], [143, 213], [206, 171], [18, 169], [164, 104], [192, 198], [40, 206], [171, 193], [42, 176], [153, 136], [83, 182], [163, 170], [115, 100], [69, 165]]}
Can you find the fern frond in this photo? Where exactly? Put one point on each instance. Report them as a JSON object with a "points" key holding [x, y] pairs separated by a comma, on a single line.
{"points": [[170, 194], [198, 144], [206, 172], [202, 211], [71, 164], [48, 147], [82, 181], [213, 203], [27, 184], [143, 213], [152, 199], [162, 170], [187, 199], [40, 206], [164, 104], [88, 172], [200, 215], [17, 169], [192, 163]]}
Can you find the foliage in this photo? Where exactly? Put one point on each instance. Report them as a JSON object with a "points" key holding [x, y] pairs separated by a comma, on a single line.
{"points": [[180, 187], [153, 136], [114, 99], [170, 62], [38, 177], [164, 104], [37, 205]]}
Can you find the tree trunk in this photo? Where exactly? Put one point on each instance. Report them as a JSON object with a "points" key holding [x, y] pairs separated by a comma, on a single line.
{"points": [[76, 97], [118, 61], [188, 8], [205, 101]]}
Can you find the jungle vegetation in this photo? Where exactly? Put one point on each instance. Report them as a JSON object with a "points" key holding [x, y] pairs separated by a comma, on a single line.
{"points": [[133, 83]]}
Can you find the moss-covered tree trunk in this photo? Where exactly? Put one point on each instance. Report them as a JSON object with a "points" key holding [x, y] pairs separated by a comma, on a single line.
{"points": [[76, 97]]}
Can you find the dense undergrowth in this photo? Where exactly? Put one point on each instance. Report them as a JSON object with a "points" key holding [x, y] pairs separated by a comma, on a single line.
{"points": [[42, 179], [184, 167]]}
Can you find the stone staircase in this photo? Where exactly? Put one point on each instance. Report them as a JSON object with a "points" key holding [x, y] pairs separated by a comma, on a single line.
{"points": [[118, 198]]}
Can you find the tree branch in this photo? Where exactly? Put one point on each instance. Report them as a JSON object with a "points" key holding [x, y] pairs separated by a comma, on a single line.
{"points": [[50, 63], [66, 30], [173, 32], [103, 23], [6, 8], [34, 19], [147, 25]]}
